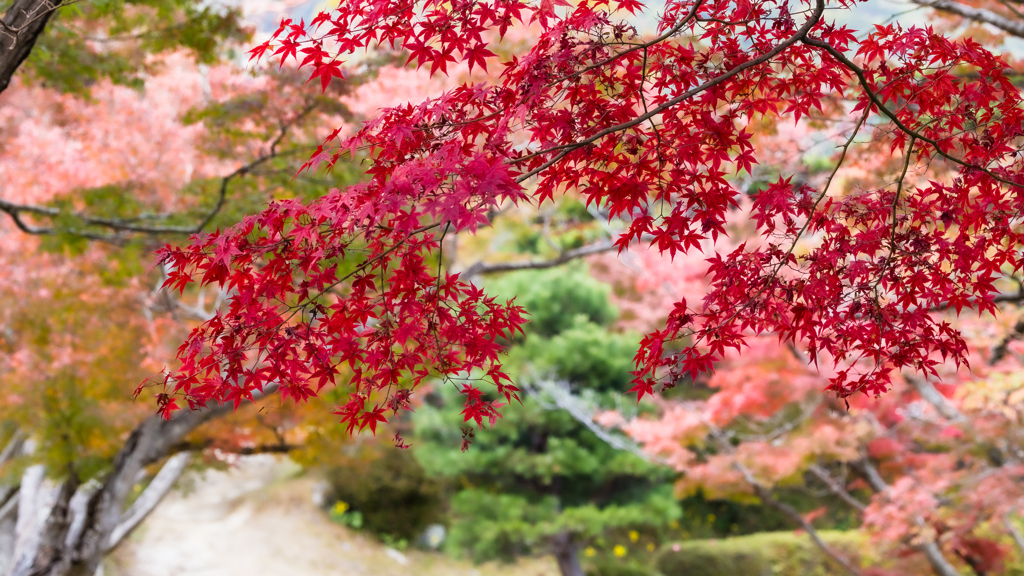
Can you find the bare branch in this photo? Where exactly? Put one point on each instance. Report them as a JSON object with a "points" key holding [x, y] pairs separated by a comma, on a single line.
{"points": [[932, 396], [9, 507], [930, 548], [13, 446], [981, 15], [871, 474], [835, 487], [576, 407], [147, 501], [482, 268], [119, 226], [936, 560], [766, 496], [281, 448]]}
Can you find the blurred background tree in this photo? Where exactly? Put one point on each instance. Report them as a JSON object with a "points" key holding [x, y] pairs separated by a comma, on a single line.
{"points": [[69, 46]]}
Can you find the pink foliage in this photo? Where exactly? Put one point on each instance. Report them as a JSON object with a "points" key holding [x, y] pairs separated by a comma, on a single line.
{"points": [[122, 136]]}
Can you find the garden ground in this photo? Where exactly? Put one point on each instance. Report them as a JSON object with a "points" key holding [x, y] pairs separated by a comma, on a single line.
{"points": [[259, 519]]}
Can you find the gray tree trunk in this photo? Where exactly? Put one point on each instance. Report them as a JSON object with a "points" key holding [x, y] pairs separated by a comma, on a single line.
{"points": [[567, 554]]}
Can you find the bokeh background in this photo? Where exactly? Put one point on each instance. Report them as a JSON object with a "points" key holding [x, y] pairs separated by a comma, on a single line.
{"points": [[150, 112]]}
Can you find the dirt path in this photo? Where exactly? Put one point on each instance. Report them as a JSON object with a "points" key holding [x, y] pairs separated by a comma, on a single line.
{"points": [[259, 520]]}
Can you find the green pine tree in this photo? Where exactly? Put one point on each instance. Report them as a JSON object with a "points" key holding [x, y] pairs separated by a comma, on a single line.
{"points": [[540, 481]]}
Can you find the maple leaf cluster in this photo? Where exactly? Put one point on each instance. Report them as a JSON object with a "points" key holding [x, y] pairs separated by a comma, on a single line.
{"points": [[652, 131]]}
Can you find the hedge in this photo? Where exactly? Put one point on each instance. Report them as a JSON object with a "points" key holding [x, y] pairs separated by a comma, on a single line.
{"points": [[763, 554]]}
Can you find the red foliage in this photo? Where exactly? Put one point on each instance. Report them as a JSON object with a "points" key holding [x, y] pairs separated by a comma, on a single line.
{"points": [[651, 131]]}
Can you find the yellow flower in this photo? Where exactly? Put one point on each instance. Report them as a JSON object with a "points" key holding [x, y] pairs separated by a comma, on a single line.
{"points": [[650, 546], [340, 507], [634, 535], [711, 518], [673, 524], [619, 550], [590, 552]]}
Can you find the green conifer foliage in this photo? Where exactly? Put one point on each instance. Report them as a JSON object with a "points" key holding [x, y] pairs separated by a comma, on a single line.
{"points": [[542, 481]]}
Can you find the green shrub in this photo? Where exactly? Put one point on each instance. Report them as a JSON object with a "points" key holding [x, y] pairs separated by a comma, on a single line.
{"points": [[386, 492], [764, 554], [555, 298]]}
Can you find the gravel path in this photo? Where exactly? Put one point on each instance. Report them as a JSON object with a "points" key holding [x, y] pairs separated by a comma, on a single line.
{"points": [[258, 519]]}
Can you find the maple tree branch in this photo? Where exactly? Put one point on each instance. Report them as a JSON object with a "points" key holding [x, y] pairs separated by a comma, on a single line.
{"points": [[77, 529], [977, 14], [871, 475], [930, 549], [280, 448], [935, 558], [835, 487], [766, 496], [643, 46], [13, 446], [368, 262], [482, 268], [806, 411], [877, 102], [565, 149], [15, 210], [932, 396], [895, 203], [999, 299], [11, 505], [793, 514], [130, 225]]}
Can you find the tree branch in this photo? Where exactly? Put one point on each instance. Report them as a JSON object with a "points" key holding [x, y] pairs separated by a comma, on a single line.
{"points": [[575, 407], [877, 103], [765, 495], [835, 487], [937, 400], [565, 149], [936, 560], [870, 473], [1003, 348], [483, 268], [147, 501], [981, 15], [119, 226], [65, 530], [282, 448], [930, 549]]}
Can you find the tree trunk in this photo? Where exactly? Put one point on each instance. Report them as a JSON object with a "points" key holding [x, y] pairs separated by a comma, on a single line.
{"points": [[567, 554], [23, 23], [66, 528]]}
